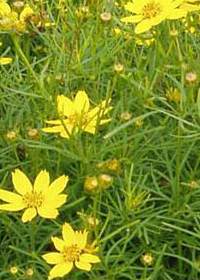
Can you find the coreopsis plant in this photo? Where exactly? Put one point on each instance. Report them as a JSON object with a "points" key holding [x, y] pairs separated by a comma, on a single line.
{"points": [[77, 115], [41, 197], [72, 251], [148, 13]]}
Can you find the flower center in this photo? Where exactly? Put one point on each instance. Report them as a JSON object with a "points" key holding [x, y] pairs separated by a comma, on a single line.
{"points": [[71, 253], [151, 10], [33, 199], [77, 119]]}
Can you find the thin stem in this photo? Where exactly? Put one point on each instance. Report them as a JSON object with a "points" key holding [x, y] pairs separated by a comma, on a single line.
{"points": [[26, 62]]}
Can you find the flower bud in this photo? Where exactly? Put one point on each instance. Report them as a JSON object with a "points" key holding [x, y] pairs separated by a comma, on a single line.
{"points": [[105, 181], [105, 17], [29, 272], [11, 135], [93, 222], [147, 259], [113, 165], [14, 269], [119, 68], [191, 77], [33, 133], [91, 184], [126, 116]]}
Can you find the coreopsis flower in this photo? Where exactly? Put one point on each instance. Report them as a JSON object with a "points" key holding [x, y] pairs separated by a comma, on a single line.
{"points": [[41, 197], [72, 251], [76, 115], [148, 13]]}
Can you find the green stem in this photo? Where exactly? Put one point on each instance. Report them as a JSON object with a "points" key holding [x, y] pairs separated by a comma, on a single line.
{"points": [[177, 178], [26, 62]]}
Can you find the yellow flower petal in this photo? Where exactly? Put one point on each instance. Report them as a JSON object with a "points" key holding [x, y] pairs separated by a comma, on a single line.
{"points": [[65, 106], [60, 270], [42, 181], [10, 197], [83, 265], [12, 206], [55, 201], [21, 183], [56, 122], [64, 134], [58, 243], [81, 238], [133, 7], [54, 129], [143, 26], [81, 102], [131, 19], [47, 211], [68, 234], [4, 9], [26, 13], [6, 60], [29, 214], [176, 14], [58, 185], [53, 258], [89, 258], [90, 129]]}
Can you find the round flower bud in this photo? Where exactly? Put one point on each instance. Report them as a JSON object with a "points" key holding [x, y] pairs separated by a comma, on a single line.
{"points": [[126, 116], [14, 269], [119, 68], [147, 259], [173, 33], [139, 122], [11, 135], [18, 6], [93, 222], [191, 77], [105, 17], [113, 165], [101, 165], [33, 133], [91, 184], [105, 180], [29, 272], [193, 185]]}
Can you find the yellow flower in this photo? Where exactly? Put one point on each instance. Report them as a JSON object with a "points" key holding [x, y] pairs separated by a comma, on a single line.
{"points": [[6, 60], [41, 197], [26, 13], [71, 252], [149, 13], [79, 115]]}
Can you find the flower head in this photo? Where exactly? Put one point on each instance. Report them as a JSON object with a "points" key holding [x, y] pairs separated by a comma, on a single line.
{"points": [[41, 197], [149, 13], [71, 252], [76, 115]]}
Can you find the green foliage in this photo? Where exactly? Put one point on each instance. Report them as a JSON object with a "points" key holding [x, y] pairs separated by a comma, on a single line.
{"points": [[153, 205]]}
